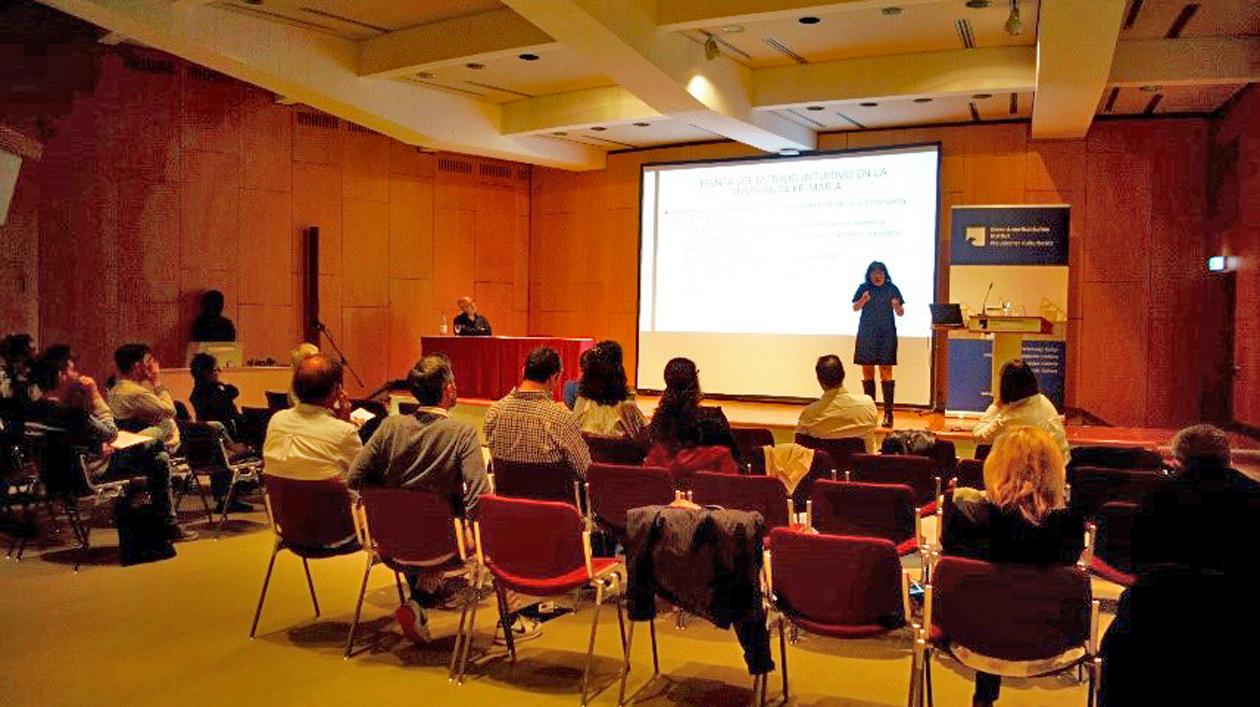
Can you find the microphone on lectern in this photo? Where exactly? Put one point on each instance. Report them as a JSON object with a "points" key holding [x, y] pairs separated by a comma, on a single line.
{"points": [[982, 304]]}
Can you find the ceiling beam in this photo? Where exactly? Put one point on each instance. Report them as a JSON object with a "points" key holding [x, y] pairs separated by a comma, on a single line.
{"points": [[479, 37], [1186, 62], [321, 71], [952, 72], [665, 70], [678, 15], [1076, 42], [607, 105]]}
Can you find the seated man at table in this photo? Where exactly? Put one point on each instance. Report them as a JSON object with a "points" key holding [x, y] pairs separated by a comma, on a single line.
{"points": [[838, 413], [528, 426], [469, 323], [425, 451], [313, 440]]}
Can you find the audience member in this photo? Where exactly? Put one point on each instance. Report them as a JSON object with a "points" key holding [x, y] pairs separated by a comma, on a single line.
{"points": [[528, 426], [213, 400], [605, 405], [684, 433], [300, 353], [1019, 404], [838, 413], [211, 325], [314, 439], [16, 352], [571, 387], [72, 415], [425, 451], [139, 400], [1021, 516], [468, 322]]}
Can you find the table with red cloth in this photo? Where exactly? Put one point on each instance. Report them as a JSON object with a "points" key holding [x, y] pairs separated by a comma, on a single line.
{"points": [[488, 367]]}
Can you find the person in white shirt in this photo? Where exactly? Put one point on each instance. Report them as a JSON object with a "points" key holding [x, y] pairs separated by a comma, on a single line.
{"points": [[1020, 404], [313, 440], [838, 413]]}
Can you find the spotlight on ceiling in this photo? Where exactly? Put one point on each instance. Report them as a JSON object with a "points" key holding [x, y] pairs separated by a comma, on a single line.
{"points": [[868, 104], [808, 20], [711, 49], [1013, 25]]}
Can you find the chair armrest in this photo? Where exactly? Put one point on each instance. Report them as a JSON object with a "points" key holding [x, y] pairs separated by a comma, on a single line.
{"points": [[905, 600], [481, 558], [1093, 628], [490, 478], [461, 542], [1087, 555], [359, 513], [586, 554]]}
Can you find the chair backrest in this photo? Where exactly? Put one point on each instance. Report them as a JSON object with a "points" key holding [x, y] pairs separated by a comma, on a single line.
{"points": [[614, 450], [551, 481], [750, 440], [982, 451], [1116, 457], [528, 539], [840, 450], [1011, 612], [57, 464], [684, 463], [202, 448], [946, 455], [277, 400], [311, 514], [413, 528], [1113, 542], [820, 468], [867, 510], [836, 580], [406, 408], [919, 473], [181, 411], [373, 406], [762, 494], [613, 489], [969, 473], [1094, 486]]}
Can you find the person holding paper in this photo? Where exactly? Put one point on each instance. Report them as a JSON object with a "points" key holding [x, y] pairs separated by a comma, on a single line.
{"points": [[72, 416], [878, 299]]}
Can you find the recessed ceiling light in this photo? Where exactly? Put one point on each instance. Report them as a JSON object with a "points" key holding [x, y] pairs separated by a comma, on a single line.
{"points": [[978, 4], [813, 107], [529, 57], [891, 11], [789, 152], [733, 29], [475, 65], [426, 74], [980, 96], [253, 2], [809, 20], [868, 104], [923, 100], [559, 134], [599, 128], [641, 125], [1152, 89]]}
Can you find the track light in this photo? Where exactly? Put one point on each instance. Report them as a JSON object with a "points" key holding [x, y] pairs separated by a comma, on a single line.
{"points": [[1013, 25], [711, 50]]}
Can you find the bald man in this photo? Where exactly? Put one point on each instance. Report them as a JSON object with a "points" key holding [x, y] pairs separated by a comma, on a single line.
{"points": [[314, 439], [470, 323]]}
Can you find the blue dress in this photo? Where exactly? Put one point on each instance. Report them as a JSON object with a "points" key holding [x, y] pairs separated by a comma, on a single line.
{"points": [[877, 329]]}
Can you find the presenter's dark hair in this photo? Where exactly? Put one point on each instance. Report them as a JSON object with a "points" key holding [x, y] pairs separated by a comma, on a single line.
{"points": [[316, 378], [877, 265], [201, 365], [128, 355], [541, 364], [1018, 382], [604, 379], [830, 371], [49, 364], [428, 378]]}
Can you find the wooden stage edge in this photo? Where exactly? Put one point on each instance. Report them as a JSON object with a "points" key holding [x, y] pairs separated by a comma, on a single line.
{"points": [[782, 416]]}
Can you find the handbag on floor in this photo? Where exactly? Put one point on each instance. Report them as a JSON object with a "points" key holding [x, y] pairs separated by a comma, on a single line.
{"points": [[142, 534]]}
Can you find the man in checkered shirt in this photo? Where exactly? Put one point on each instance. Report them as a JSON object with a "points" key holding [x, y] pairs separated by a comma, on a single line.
{"points": [[528, 426]]}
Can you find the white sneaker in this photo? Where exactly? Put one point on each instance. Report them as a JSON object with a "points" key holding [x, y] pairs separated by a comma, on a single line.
{"points": [[413, 622], [523, 629]]}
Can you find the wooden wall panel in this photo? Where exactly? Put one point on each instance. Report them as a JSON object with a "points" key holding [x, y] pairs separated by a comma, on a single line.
{"points": [[1118, 209], [19, 257], [494, 229], [409, 159], [410, 226], [209, 209], [365, 344], [367, 166], [140, 117], [267, 331], [365, 254], [267, 143], [1114, 353], [147, 235], [453, 254], [156, 324], [318, 143], [412, 312], [267, 262], [317, 202], [210, 111]]}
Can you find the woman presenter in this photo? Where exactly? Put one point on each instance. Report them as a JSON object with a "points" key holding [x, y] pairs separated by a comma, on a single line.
{"points": [[878, 299]]}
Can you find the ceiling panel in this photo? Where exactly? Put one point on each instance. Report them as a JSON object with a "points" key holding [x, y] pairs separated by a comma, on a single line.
{"points": [[648, 133], [1213, 18], [1172, 99], [509, 78], [852, 115], [360, 19], [868, 32]]}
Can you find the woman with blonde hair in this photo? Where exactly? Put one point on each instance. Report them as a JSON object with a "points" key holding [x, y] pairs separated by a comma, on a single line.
{"points": [[1020, 517]]}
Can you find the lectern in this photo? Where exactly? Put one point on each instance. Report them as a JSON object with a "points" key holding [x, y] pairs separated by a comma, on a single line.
{"points": [[1008, 338]]}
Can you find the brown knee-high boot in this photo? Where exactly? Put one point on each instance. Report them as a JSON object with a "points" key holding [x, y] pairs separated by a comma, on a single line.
{"points": [[889, 394]]}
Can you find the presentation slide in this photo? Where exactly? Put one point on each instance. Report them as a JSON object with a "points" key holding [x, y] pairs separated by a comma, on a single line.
{"points": [[749, 267]]}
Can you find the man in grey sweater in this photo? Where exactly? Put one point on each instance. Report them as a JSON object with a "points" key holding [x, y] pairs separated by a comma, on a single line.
{"points": [[425, 451]]}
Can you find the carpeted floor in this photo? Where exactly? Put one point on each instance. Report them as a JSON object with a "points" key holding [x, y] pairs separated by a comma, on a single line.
{"points": [[175, 633]]}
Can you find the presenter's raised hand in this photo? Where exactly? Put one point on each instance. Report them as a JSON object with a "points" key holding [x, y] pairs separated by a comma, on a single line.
{"points": [[896, 305]]}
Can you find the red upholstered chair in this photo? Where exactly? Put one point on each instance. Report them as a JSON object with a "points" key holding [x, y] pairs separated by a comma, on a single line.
{"points": [[750, 440], [685, 462], [1091, 487], [1112, 532], [840, 450], [614, 450], [969, 473], [884, 511], [836, 586], [540, 549], [1139, 458], [311, 519], [613, 489], [946, 456], [410, 530], [919, 473], [1008, 620], [821, 468], [277, 400], [762, 494], [541, 482]]}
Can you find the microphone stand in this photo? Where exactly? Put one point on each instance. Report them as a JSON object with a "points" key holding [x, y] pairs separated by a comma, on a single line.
{"points": [[344, 361]]}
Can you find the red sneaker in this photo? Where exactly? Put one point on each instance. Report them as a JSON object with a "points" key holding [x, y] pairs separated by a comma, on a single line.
{"points": [[413, 622]]}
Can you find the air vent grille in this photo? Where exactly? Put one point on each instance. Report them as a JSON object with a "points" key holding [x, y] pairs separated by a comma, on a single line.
{"points": [[148, 65], [201, 73], [496, 170], [355, 128], [785, 50], [522, 173], [318, 120], [455, 166]]}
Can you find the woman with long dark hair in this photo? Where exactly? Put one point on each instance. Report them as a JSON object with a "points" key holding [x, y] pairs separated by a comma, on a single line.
{"points": [[605, 405], [878, 299], [680, 422]]}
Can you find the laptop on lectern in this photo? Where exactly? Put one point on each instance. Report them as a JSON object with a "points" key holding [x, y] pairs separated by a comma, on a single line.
{"points": [[946, 315]]}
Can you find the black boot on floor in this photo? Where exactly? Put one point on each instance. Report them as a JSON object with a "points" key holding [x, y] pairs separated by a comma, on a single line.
{"points": [[889, 393], [868, 387]]}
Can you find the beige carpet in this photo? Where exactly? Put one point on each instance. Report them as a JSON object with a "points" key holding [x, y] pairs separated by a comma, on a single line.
{"points": [[175, 633]]}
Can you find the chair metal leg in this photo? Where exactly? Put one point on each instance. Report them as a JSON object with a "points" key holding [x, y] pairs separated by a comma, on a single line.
{"points": [[625, 665], [358, 608], [927, 676], [266, 581], [468, 639], [310, 584], [621, 624], [916, 680], [656, 661], [590, 649], [783, 658], [402, 599], [505, 618], [470, 602], [1095, 666]]}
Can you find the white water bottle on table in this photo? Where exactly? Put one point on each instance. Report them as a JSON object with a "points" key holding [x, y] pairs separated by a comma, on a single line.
{"points": [[443, 328]]}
